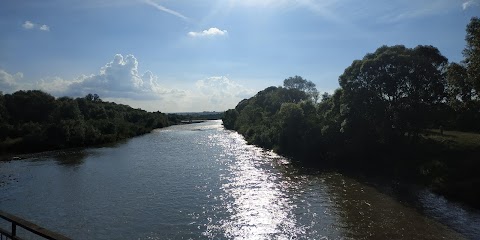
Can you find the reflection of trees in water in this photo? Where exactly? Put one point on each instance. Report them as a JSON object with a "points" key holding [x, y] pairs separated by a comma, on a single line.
{"points": [[70, 158], [366, 213]]}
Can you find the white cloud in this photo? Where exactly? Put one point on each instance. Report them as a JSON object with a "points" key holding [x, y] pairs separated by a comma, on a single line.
{"points": [[31, 25], [119, 78], [9, 82], [167, 10], [54, 85], [216, 93], [469, 4], [209, 32], [221, 92], [121, 81], [44, 28], [28, 25]]}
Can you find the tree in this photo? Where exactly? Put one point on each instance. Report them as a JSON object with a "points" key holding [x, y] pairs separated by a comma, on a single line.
{"points": [[229, 118], [472, 52], [302, 84], [34, 121], [3, 110], [460, 88], [393, 91], [464, 82], [93, 98], [4, 117], [291, 119], [249, 116], [30, 106], [67, 108]]}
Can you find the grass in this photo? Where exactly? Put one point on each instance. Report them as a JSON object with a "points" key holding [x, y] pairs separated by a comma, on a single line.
{"points": [[454, 156], [454, 139]]}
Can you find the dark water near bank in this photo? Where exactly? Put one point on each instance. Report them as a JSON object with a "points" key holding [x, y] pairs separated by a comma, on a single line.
{"points": [[200, 181]]}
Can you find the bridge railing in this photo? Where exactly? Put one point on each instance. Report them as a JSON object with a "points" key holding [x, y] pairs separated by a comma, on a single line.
{"points": [[29, 226]]}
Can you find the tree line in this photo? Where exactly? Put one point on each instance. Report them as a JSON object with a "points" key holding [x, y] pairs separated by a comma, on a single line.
{"points": [[177, 118], [33, 120], [378, 118]]}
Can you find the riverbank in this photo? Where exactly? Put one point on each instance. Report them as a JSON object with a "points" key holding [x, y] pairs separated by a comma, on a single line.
{"points": [[447, 163], [10, 149], [59, 150], [455, 156]]}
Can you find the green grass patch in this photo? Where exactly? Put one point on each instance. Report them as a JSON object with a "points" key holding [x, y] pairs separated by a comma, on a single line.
{"points": [[454, 139]]}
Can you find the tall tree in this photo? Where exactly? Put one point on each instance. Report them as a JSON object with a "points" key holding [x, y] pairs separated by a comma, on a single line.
{"points": [[461, 89], [464, 82], [4, 125], [30, 106], [291, 119], [302, 84], [393, 91], [472, 52]]}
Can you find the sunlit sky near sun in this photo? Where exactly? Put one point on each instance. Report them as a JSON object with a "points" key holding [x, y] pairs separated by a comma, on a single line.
{"points": [[204, 55]]}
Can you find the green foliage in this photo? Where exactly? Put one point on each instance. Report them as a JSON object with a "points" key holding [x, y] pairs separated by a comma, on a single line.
{"points": [[35, 121], [292, 127], [464, 84], [393, 91], [472, 52], [229, 118], [177, 118], [384, 102], [281, 118], [301, 84], [460, 87], [31, 105]]}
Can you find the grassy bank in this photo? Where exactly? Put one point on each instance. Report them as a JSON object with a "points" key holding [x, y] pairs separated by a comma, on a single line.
{"points": [[453, 164]]}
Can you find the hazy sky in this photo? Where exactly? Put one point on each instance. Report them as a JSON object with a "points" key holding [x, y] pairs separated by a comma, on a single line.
{"points": [[196, 55]]}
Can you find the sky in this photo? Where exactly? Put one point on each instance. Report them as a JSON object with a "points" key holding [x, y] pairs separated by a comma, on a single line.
{"points": [[207, 55]]}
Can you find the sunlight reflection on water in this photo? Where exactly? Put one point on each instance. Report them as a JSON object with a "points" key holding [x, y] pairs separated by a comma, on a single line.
{"points": [[255, 196]]}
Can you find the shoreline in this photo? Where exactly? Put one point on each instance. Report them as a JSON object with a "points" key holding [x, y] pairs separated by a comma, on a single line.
{"points": [[13, 156]]}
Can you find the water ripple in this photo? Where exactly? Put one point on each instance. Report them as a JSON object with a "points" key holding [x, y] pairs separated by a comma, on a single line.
{"points": [[254, 195]]}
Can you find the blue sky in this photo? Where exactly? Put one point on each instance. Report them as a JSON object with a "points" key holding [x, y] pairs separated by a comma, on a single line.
{"points": [[179, 55]]}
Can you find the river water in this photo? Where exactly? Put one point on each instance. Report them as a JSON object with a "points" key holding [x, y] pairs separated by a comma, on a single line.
{"points": [[201, 181]]}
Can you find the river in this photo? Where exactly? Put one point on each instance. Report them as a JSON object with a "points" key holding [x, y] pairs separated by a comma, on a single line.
{"points": [[200, 181]]}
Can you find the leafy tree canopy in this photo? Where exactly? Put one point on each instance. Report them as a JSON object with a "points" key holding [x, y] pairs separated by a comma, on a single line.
{"points": [[472, 52], [394, 89], [302, 84]]}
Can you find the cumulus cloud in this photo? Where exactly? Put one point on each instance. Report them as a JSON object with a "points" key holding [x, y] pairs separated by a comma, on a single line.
{"points": [[121, 81], [221, 91], [30, 25], [119, 78], [9, 82], [469, 4], [209, 32], [44, 28], [215, 93], [53, 85]]}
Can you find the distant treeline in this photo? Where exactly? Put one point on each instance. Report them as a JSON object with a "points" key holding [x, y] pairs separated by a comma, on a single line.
{"points": [[33, 121], [178, 117], [377, 121]]}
